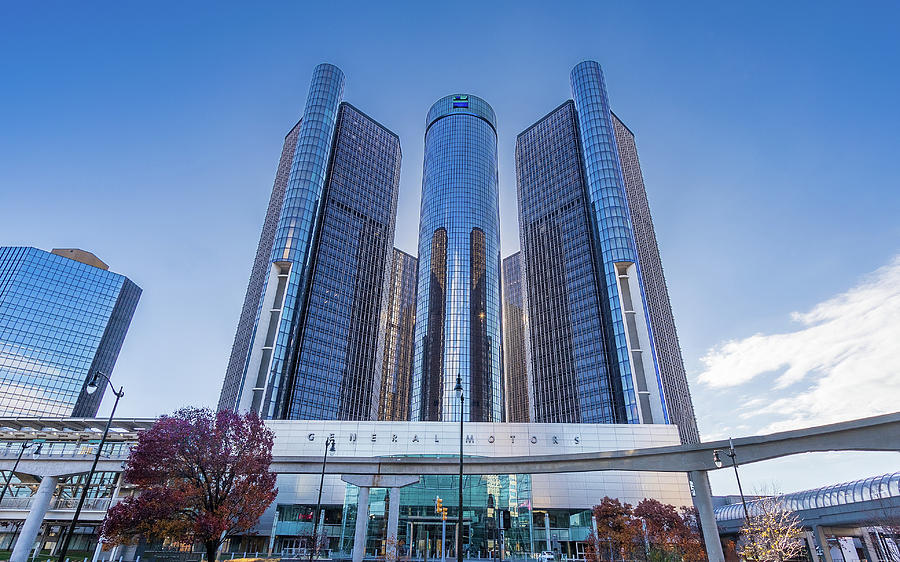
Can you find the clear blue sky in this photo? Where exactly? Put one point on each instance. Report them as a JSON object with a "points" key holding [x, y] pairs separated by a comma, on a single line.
{"points": [[149, 134]]}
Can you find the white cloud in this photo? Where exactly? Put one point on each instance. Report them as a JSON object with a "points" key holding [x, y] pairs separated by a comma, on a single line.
{"points": [[842, 362]]}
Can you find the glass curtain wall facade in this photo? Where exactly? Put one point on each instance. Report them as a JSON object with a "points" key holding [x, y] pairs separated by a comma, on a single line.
{"points": [[250, 311], [662, 320], [315, 350], [491, 501], [458, 295], [399, 331], [272, 353], [61, 320], [568, 359], [622, 295], [485, 498], [592, 354], [514, 370], [341, 341]]}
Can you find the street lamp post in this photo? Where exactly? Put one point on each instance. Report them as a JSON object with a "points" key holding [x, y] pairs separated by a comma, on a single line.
{"points": [[91, 388], [718, 460], [459, 532], [328, 441], [25, 445]]}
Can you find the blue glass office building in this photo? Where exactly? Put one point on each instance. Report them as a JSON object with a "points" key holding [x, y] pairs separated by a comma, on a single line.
{"points": [[571, 376], [458, 308], [315, 350], [259, 275], [63, 316], [662, 320], [399, 334], [592, 328], [515, 374]]}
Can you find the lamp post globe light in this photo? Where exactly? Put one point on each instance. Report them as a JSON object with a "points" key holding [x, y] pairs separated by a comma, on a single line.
{"points": [[717, 458], [91, 387], [459, 532], [329, 442]]}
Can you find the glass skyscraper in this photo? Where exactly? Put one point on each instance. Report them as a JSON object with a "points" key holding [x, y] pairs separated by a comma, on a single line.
{"points": [[243, 338], [662, 321], [571, 376], [596, 326], [514, 349], [458, 308], [315, 349], [63, 316], [399, 331]]}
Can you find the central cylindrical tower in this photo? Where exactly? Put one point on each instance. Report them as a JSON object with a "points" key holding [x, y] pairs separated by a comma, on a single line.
{"points": [[458, 301]]}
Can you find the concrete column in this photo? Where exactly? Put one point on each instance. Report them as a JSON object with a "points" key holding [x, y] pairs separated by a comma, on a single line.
{"points": [[811, 542], [820, 537], [547, 529], [703, 503], [40, 501], [870, 546], [362, 524], [393, 523], [364, 482]]}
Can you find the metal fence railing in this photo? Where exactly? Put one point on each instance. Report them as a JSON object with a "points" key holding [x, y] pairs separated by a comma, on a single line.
{"points": [[24, 504]]}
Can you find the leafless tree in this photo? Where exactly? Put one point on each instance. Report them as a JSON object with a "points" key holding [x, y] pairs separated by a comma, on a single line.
{"points": [[772, 534]]}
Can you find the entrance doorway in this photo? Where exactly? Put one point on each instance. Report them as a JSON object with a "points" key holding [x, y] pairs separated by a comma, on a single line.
{"points": [[425, 538]]}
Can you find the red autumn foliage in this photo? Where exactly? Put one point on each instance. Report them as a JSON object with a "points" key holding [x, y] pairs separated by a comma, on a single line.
{"points": [[664, 525], [621, 530], [671, 531], [201, 475], [616, 524]]}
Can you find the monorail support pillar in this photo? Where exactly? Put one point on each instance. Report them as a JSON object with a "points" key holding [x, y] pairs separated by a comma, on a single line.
{"points": [[703, 503], [823, 543], [393, 483], [40, 501]]}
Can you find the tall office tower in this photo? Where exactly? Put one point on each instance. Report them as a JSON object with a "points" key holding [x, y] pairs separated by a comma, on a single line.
{"points": [[570, 375], [592, 355], [662, 321], [258, 276], [458, 297], [399, 334], [315, 350], [63, 317], [514, 361]]}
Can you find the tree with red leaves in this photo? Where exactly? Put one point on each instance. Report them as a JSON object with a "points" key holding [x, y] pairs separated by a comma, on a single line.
{"points": [[201, 475], [617, 526], [662, 521], [671, 532]]}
